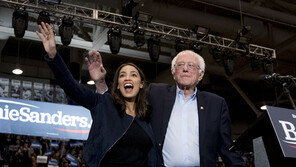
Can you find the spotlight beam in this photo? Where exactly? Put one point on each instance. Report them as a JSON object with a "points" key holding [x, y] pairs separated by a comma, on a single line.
{"points": [[100, 38]]}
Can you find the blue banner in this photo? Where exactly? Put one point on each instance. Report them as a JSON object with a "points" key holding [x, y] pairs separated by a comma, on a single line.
{"points": [[36, 145], [54, 145], [73, 163], [48, 153], [284, 123], [53, 162], [76, 144], [44, 119], [70, 157]]}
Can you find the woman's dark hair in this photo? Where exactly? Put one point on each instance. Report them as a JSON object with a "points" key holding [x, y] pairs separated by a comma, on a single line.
{"points": [[141, 103]]}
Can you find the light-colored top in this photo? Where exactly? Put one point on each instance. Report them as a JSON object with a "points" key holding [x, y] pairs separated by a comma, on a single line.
{"points": [[181, 144]]}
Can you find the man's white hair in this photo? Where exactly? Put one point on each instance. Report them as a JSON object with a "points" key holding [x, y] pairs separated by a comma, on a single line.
{"points": [[201, 61]]}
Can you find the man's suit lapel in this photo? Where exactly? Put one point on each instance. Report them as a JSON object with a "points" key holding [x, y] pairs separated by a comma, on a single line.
{"points": [[202, 109], [167, 108]]}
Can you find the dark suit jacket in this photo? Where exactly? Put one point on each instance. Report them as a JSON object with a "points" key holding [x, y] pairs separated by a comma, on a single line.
{"points": [[107, 126], [214, 123]]}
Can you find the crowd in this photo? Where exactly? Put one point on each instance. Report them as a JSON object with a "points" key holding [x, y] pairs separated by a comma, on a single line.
{"points": [[30, 151], [248, 158], [18, 150]]}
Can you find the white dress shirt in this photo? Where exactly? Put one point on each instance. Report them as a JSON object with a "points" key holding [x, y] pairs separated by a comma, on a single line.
{"points": [[181, 144]]}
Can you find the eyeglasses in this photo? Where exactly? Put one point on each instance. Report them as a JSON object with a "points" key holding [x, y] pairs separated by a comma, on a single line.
{"points": [[190, 65]]}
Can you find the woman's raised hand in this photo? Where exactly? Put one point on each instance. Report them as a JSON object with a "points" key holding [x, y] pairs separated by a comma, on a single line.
{"points": [[48, 39], [95, 66]]}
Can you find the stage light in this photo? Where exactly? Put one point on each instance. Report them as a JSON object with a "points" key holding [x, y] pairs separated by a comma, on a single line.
{"points": [[217, 54], [66, 30], [53, 1], [180, 45], [127, 9], [243, 37], [263, 107], [43, 17], [114, 39], [255, 63], [17, 71], [267, 65], [154, 48], [90, 82], [20, 22], [143, 17], [228, 62], [201, 32], [197, 47], [139, 37]]}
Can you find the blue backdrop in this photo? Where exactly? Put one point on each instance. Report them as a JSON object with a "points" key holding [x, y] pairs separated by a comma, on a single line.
{"points": [[44, 119]]}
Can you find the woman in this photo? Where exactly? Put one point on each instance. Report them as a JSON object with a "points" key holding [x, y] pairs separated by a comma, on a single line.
{"points": [[120, 134]]}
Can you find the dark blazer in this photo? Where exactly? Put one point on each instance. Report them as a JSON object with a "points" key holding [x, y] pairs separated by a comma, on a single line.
{"points": [[107, 126], [214, 123]]}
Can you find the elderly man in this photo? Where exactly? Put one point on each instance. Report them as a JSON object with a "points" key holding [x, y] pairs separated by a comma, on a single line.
{"points": [[191, 126]]}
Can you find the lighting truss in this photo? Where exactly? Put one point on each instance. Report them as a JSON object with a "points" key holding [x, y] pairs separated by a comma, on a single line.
{"points": [[170, 31], [79, 13], [108, 19]]}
